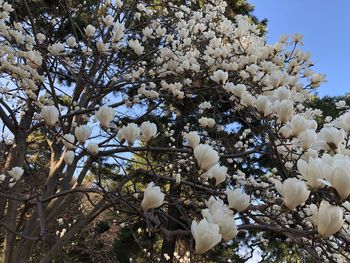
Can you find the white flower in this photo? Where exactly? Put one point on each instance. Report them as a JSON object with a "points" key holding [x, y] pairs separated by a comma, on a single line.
{"points": [[82, 133], [340, 104], [68, 157], [71, 42], [119, 3], [50, 115], [148, 131], [92, 148], [90, 31], [205, 156], [136, 46], [313, 171], [344, 121], [192, 138], [238, 200], [130, 133], [152, 197], [307, 138], [340, 180], [329, 219], [206, 122], [331, 138], [218, 213], [294, 192], [282, 93], [68, 141], [284, 110], [263, 105], [239, 90], [56, 49], [285, 131], [16, 172], [7, 7], [218, 172], [299, 124], [118, 32], [316, 80], [108, 20], [2, 177], [219, 76], [102, 47], [206, 235], [105, 115]]}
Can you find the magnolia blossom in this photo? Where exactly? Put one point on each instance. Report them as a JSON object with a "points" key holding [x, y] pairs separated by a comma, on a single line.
{"points": [[152, 197], [16, 172], [307, 138], [299, 124], [340, 180], [130, 133], [263, 105], [192, 138], [206, 122], [218, 172], [284, 110], [148, 131], [339, 173], [206, 235], [50, 115], [205, 156], [313, 171], [238, 200], [82, 133], [90, 31], [68, 141], [68, 157], [56, 49], [329, 219], [220, 214], [294, 192], [92, 148], [108, 20], [330, 138], [239, 90], [105, 115], [71, 42], [219, 76], [285, 131], [344, 122], [136, 46]]}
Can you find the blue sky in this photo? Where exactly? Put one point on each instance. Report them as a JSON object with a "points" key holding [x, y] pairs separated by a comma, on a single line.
{"points": [[326, 29]]}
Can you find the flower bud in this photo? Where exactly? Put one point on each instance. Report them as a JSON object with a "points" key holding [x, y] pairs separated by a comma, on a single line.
{"points": [[92, 148], [205, 156], [329, 219], [82, 133], [68, 141], [152, 197], [131, 133], [16, 172], [206, 235], [148, 130], [192, 138], [294, 192], [104, 115], [50, 115], [238, 200], [68, 157]]}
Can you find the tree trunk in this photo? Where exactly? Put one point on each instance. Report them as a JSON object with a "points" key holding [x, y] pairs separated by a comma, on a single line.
{"points": [[169, 244]]}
